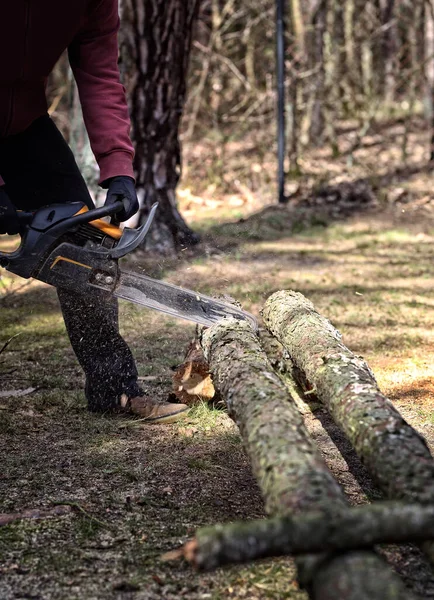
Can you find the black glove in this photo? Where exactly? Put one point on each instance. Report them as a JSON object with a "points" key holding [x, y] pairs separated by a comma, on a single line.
{"points": [[122, 188], [9, 222]]}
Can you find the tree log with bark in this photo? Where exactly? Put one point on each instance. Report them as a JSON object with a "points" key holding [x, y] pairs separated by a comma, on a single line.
{"points": [[396, 455], [352, 529], [291, 473]]}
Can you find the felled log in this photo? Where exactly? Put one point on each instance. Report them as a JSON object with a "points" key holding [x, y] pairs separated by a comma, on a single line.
{"points": [[192, 382], [354, 528], [290, 471], [395, 454]]}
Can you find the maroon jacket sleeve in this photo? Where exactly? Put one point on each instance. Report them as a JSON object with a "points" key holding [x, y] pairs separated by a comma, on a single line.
{"points": [[93, 56]]}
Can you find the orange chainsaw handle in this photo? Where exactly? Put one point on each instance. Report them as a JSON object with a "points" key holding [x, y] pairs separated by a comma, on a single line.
{"points": [[107, 228]]}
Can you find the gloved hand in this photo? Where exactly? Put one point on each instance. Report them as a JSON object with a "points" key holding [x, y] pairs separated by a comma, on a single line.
{"points": [[9, 222], [122, 188]]}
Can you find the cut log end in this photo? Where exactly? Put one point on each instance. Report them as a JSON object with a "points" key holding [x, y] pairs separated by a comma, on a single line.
{"points": [[187, 552], [192, 382]]}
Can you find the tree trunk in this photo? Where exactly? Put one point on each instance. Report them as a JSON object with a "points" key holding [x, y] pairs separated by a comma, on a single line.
{"points": [[349, 9], [338, 35], [389, 50], [80, 144], [155, 43], [65, 109], [429, 94], [291, 473], [318, 24], [354, 528], [394, 453], [376, 44], [297, 57]]}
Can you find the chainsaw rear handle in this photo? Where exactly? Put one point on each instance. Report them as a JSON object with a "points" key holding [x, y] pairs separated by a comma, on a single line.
{"points": [[24, 218], [78, 218]]}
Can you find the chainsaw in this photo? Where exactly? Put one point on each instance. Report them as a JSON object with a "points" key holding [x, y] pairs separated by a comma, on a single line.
{"points": [[71, 247]]}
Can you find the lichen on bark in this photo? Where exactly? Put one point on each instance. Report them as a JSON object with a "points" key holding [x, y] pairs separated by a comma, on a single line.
{"points": [[351, 529], [290, 471], [395, 454]]}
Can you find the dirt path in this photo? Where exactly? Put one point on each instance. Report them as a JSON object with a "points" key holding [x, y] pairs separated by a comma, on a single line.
{"points": [[137, 491]]}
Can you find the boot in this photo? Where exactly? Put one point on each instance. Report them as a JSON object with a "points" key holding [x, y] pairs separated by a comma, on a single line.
{"points": [[154, 412]]}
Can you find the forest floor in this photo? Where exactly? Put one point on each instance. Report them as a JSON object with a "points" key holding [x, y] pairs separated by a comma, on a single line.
{"points": [[136, 491]]}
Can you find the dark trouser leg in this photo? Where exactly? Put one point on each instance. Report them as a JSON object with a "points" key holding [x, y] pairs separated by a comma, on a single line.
{"points": [[92, 324], [39, 168]]}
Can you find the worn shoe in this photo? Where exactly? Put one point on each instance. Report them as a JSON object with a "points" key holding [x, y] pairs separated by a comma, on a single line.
{"points": [[154, 412]]}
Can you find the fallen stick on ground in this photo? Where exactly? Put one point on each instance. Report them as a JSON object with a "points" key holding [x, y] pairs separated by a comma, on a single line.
{"points": [[396, 455], [34, 513], [353, 528], [289, 469]]}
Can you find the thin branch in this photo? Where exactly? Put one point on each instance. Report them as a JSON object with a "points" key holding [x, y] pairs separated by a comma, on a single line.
{"points": [[8, 342]]}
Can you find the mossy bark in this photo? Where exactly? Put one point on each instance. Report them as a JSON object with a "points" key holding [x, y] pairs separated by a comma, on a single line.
{"points": [[396, 455], [290, 471], [354, 528]]}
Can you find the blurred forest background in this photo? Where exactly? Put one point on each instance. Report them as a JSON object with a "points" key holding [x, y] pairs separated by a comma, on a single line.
{"points": [[354, 69]]}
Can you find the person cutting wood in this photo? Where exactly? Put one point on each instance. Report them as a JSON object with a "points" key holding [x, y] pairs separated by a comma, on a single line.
{"points": [[37, 168]]}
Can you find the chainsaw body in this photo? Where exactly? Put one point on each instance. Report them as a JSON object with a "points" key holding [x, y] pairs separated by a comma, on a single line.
{"points": [[70, 247]]}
